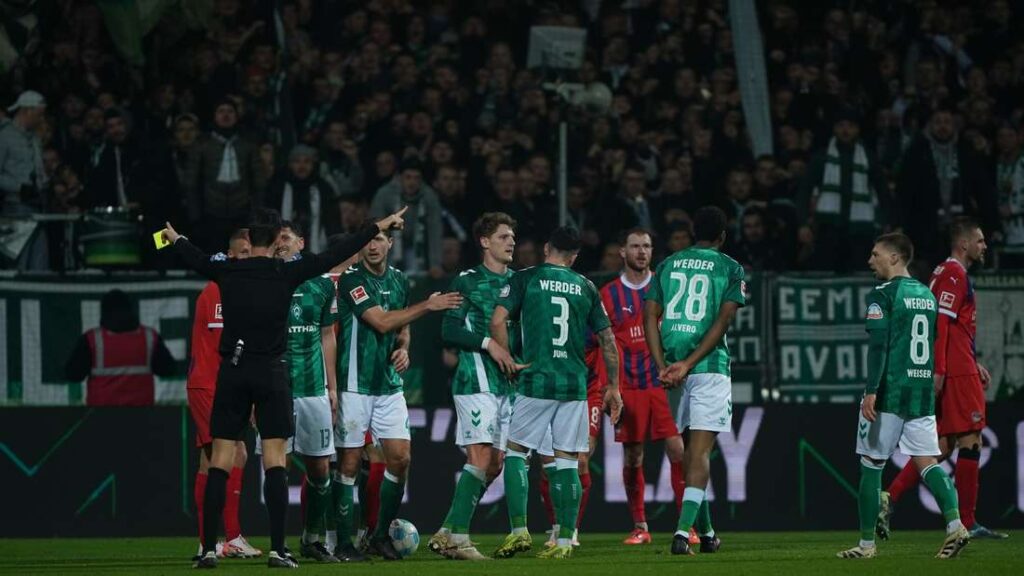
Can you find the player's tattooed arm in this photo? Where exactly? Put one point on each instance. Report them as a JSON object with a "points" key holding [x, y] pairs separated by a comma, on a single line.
{"points": [[610, 353]]}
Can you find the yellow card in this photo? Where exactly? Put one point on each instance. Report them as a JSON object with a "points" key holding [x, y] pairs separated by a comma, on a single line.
{"points": [[159, 240]]}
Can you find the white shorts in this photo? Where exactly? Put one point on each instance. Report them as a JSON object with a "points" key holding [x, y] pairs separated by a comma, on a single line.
{"points": [[532, 418], [483, 419], [546, 448], [387, 417], [706, 403], [878, 440], [314, 431], [288, 449]]}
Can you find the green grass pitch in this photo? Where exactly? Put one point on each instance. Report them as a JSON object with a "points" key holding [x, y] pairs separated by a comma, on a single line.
{"points": [[742, 553]]}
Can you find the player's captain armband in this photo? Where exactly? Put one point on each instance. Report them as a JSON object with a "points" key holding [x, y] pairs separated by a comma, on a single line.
{"points": [[505, 291], [946, 299], [875, 312], [359, 294]]}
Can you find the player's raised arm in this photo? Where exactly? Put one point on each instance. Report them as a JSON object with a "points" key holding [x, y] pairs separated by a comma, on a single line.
{"points": [[392, 320], [193, 257]]}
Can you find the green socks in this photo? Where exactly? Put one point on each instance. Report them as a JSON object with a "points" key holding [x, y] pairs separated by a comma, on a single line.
{"points": [[566, 490], [942, 488], [704, 527], [467, 493], [345, 510], [868, 499], [692, 500], [318, 502], [516, 489], [391, 491]]}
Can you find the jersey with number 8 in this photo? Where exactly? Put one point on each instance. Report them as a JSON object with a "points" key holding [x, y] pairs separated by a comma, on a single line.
{"points": [[906, 310], [691, 286], [554, 306]]}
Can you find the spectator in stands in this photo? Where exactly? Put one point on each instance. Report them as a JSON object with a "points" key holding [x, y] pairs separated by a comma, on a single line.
{"points": [[228, 182], [843, 198], [354, 212], [527, 253], [755, 249], [120, 357], [451, 255], [115, 178], [22, 177], [1010, 184], [418, 248], [303, 197], [339, 164], [942, 175]]}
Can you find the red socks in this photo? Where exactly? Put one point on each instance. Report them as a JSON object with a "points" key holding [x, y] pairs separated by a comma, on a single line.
{"points": [[545, 495], [585, 482], [232, 529], [678, 484], [633, 480], [372, 505], [905, 480], [199, 492], [966, 476]]}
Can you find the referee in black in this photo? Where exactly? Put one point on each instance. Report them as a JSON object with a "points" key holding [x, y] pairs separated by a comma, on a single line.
{"points": [[255, 295]]}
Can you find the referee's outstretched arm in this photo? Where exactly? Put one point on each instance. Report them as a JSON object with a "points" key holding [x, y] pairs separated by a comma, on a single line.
{"points": [[298, 271]]}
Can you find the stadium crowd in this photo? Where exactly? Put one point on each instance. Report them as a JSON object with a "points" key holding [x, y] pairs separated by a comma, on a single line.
{"points": [[884, 115]]}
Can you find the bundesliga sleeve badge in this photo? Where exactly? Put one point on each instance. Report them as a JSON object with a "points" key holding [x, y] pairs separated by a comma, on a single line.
{"points": [[946, 299], [505, 291], [359, 295], [875, 312]]}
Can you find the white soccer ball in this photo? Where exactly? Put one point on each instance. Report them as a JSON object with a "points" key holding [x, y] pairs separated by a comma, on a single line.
{"points": [[404, 536]]}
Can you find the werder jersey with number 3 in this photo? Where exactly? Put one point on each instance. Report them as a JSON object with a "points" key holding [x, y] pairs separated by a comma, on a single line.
{"points": [[364, 355], [691, 286], [905, 309], [555, 306]]}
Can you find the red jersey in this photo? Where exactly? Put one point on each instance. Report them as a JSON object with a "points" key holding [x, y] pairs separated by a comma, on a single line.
{"points": [[206, 328], [625, 306], [955, 329]]}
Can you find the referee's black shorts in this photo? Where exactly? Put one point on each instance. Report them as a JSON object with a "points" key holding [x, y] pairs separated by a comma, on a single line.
{"points": [[260, 381]]}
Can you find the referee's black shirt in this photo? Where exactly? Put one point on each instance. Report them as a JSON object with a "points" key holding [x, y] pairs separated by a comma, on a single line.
{"points": [[256, 292]]}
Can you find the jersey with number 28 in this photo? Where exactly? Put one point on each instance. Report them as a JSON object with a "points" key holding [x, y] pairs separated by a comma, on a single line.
{"points": [[691, 286], [555, 306], [906, 310]]}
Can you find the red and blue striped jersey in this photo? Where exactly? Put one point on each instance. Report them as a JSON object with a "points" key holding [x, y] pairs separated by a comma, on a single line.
{"points": [[625, 306]]}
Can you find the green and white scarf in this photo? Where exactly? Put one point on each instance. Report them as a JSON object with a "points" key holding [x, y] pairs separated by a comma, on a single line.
{"points": [[829, 193]]}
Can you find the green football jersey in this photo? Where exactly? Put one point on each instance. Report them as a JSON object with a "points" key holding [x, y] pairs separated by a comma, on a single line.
{"points": [[466, 326], [691, 286], [364, 355], [906, 310], [310, 311], [554, 307]]}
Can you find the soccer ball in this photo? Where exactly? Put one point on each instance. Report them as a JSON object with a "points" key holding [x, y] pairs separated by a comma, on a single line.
{"points": [[404, 536]]}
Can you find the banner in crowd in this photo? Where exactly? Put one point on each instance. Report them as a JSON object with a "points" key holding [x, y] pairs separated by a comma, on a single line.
{"points": [[821, 345], [783, 467]]}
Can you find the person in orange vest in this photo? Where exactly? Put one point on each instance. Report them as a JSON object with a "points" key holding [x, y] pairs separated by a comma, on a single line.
{"points": [[120, 357]]}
